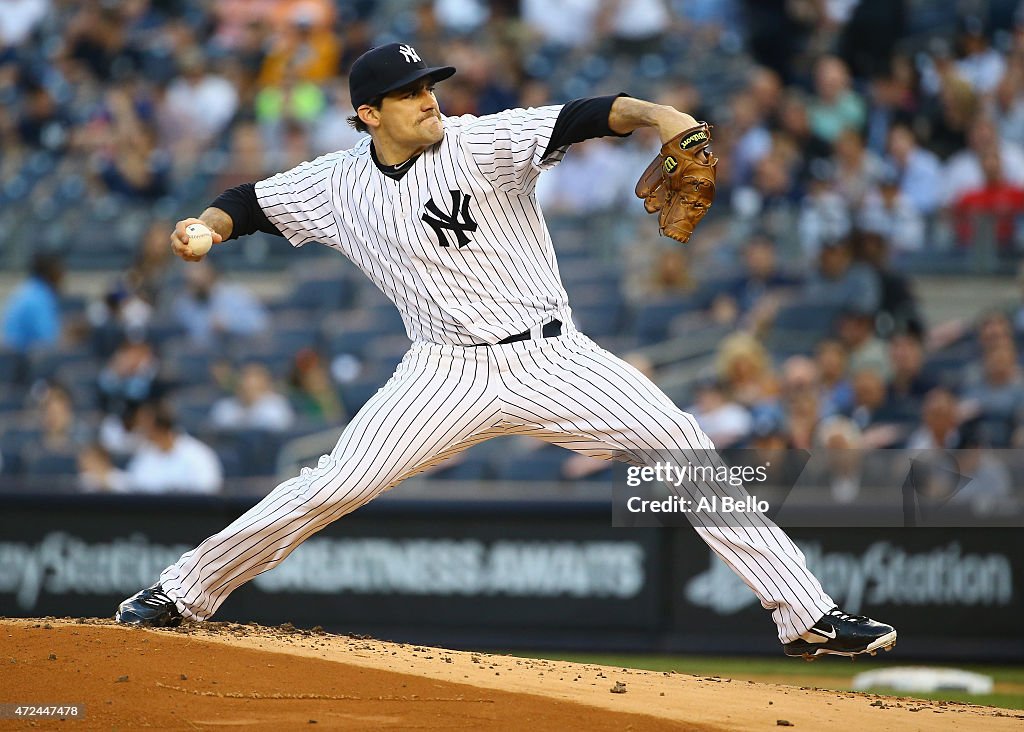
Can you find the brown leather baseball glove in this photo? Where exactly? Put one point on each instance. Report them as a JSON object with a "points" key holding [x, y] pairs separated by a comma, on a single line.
{"points": [[680, 182]]}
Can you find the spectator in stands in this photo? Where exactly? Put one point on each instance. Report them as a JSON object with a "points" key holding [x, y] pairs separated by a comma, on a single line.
{"points": [[42, 123], [766, 201], [211, 308], [744, 369], [836, 106], [312, 389], [461, 17], [139, 170], [183, 132], [999, 202], [97, 472], [1018, 313], [951, 123], [754, 294], [840, 282], [988, 486], [589, 184], [672, 273], [766, 89], [892, 101], [303, 48], [129, 159], [248, 157], [856, 330], [801, 399], [843, 443], [20, 20], [118, 315], [170, 461], [130, 376], [796, 130], [824, 213], [492, 76], [918, 169], [869, 31], [897, 307], [753, 140], [799, 373], [979, 64], [255, 404], [995, 329], [32, 313], [331, 130], [156, 272], [769, 436], [290, 100], [96, 38], [999, 393], [62, 429], [562, 26], [965, 171], [869, 402], [635, 26], [889, 214], [1008, 102], [858, 170], [118, 433], [939, 421], [723, 419], [908, 381], [836, 391]]}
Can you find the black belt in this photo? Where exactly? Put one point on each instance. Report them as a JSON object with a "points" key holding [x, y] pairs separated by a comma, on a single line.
{"points": [[551, 329]]}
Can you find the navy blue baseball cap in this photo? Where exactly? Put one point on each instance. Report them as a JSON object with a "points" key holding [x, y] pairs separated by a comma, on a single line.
{"points": [[386, 68]]}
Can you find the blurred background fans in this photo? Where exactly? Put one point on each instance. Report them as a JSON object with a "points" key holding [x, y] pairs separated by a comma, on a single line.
{"points": [[859, 264]]}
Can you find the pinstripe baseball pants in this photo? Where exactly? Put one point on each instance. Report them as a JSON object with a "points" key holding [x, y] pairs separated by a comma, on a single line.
{"points": [[443, 399]]}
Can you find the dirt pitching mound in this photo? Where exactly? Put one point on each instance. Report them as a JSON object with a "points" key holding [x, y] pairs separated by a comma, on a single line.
{"points": [[254, 677]]}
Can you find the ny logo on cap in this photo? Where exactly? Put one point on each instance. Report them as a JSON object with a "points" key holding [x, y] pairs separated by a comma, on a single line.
{"points": [[409, 53]]}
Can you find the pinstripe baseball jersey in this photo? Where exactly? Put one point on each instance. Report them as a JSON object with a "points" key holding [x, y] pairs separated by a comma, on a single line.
{"points": [[458, 242], [456, 239]]}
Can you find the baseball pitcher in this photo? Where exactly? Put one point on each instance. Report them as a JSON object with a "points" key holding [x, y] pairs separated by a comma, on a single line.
{"points": [[440, 213]]}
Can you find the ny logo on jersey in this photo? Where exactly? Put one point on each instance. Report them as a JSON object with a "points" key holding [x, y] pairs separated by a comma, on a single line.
{"points": [[458, 221], [409, 53]]}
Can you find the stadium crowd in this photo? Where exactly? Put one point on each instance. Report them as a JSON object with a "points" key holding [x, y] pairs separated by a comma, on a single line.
{"points": [[862, 143]]}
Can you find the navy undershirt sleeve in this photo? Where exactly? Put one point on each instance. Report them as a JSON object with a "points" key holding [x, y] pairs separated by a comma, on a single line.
{"points": [[582, 119], [247, 217]]}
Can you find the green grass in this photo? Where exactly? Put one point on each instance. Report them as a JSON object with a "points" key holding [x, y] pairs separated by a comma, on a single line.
{"points": [[827, 673]]}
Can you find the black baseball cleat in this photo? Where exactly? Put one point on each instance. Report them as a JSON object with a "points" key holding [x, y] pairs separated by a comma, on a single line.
{"points": [[150, 607], [841, 634]]}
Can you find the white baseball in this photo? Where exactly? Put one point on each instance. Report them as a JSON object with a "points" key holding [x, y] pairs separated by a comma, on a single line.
{"points": [[200, 239]]}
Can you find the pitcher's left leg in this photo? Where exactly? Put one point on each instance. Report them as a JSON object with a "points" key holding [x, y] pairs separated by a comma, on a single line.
{"points": [[582, 397]]}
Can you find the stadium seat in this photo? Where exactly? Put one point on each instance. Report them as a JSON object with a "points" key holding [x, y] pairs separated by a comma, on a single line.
{"points": [[467, 468], [192, 406], [256, 449], [12, 398], [319, 294], [545, 463], [594, 273], [39, 462], [598, 310], [384, 353], [807, 317], [230, 461], [385, 316], [651, 319], [355, 394], [45, 363]]}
